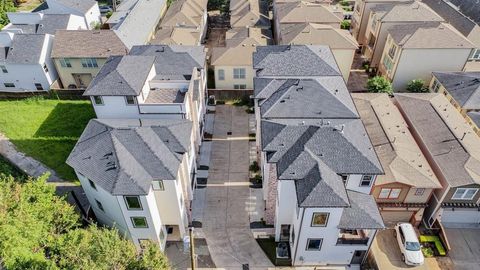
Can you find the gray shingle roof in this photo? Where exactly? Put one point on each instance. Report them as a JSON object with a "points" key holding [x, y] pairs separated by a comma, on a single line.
{"points": [[362, 213], [294, 61], [464, 24], [25, 49], [173, 61], [80, 5], [121, 76], [475, 116], [53, 22], [464, 87], [124, 156], [324, 97]]}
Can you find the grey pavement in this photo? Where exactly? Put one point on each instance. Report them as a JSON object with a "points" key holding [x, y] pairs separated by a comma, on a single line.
{"points": [[227, 200], [465, 248]]}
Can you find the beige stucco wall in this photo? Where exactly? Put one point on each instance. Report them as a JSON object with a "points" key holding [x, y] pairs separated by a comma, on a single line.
{"points": [[65, 73], [401, 198], [344, 59], [230, 81], [412, 198]]}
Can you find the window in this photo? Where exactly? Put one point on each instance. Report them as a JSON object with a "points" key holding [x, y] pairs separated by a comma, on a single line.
{"points": [[366, 181], [387, 63], [464, 193], [435, 86], [130, 100], [65, 62], [319, 219], [419, 191], [344, 178], [9, 85], [133, 202], [39, 86], [389, 193], [99, 205], [221, 74], [239, 86], [239, 73], [158, 185], [4, 69], [374, 23], [89, 63], [314, 244], [371, 42], [391, 51], [475, 55], [92, 184], [162, 235], [97, 100], [45, 67], [139, 222]]}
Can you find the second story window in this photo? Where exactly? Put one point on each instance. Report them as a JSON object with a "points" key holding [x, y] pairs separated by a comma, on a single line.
{"points": [[435, 85], [366, 181], [389, 193], [97, 100], [130, 100], [92, 184], [371, 41], [89, 63], [221, 74], [419, 191], [464, 193], [158, 185], [319, 219], [139, 222], [4, 69], [38, 86], [133, 202], [65, 62], [99, 205], [392, 50], [475, 54], [45, 67], [239, 73], [9, 85]]}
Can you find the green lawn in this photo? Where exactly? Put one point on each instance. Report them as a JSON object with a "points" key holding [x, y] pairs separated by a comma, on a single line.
{"points": [[46, 129], [29, 5], [6, 168]]}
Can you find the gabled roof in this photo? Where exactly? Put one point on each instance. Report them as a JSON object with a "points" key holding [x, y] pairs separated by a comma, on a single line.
{"points": [[178, 35], [464, 87], [121, 76], [173, 62], [295, 61], [406, 12], [361, 214], [26, 49], [48, 24], [400, 156], [312, 33], [81, 5], [461, 14], [320, 98], [314, 152], [87, 43], [183, 13], [124, 156], [429, 35], [304, 12], [249, 13], [453, 145]]}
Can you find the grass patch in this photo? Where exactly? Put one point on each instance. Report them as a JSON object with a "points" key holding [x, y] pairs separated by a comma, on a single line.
{"points": [[7, 168], [46, 129], [28, 5]]}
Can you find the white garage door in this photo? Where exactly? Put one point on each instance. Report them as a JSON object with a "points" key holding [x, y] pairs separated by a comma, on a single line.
{"points": [[390, 218], [460, 216]]}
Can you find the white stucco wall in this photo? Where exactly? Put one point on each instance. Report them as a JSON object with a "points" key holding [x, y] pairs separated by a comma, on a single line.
{"points": [[353, 183]]}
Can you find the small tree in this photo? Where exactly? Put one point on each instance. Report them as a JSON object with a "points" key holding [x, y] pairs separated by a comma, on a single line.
{"points": [[345, 24], [417, 86], [379, 84]]}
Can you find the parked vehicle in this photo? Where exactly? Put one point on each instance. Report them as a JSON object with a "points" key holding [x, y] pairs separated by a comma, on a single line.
{"points": [[409, 245], [105, 9]]}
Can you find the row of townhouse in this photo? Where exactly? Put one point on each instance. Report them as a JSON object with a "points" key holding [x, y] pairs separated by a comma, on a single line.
{"points": [[184, 23], [28, 39], [406, 40], [317, 161], [249, 27], [137, 161]]}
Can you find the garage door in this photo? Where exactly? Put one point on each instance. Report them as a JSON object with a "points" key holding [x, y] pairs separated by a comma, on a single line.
{"points": [[465, 216], [390, 218]]}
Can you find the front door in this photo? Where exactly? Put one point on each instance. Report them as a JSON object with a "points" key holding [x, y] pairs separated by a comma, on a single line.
{"points": [[82, 80], [358, 256]]}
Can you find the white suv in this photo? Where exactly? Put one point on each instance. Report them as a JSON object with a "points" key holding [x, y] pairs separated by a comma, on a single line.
{"points": [[409, 245]]}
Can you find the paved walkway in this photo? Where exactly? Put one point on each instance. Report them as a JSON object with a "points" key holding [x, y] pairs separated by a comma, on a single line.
{"points": [[228, 199]]}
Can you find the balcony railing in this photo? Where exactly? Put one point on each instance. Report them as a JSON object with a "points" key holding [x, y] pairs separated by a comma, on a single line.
{"points": [[352, 241]]}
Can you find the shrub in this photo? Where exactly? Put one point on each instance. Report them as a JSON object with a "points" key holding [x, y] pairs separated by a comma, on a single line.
{"points": [[417, 86], [345, 24], [254, 167], [379, 84]]}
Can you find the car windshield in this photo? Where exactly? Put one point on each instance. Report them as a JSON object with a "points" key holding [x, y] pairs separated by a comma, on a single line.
{"points": [[412, 246]]}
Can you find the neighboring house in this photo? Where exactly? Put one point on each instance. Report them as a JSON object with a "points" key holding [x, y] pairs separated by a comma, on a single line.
{"points": [[304, 12], [464, 15], [184, 23], [403, 192], [79, 55], [318, 164], [452, 149], [384, 17], [136, 21], [412, 51], [39, 23], [249, 13], [341, 42], [88, 9], [361, 14], [138, 176], [233, 63], [462, 89]]}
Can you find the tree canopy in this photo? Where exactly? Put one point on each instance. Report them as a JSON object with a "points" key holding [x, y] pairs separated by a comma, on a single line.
{"points": [[417, 86], [379, 84], [39, 230]]}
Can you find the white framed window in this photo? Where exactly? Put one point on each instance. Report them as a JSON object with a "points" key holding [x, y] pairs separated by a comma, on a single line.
{"points": [[133, 202], [4, 69], [314, 244], [92, 184], [45, 68], [89, 63], [419, 192], [158, 185], [130, 100], [38, 86], [366, 181], [65, 62], [9, 85], [97, 100], [464, 193], [389, 193], [99, 205], [387, 63], [392, 50], [139, 222], [239, 86], [221, 74], [239, 73], [319, 219], [435, 86], [475, 55]]}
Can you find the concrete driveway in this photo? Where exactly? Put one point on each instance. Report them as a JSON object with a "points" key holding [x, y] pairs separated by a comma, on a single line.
{"points": [[226, 223], [465, 248], [387, 254]]}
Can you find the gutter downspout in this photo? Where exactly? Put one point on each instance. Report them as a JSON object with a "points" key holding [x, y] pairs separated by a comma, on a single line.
{"points": [[298, 237]]}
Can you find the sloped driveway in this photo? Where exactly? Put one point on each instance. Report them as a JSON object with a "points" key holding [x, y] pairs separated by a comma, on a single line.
{"points": [[226, 223]]}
